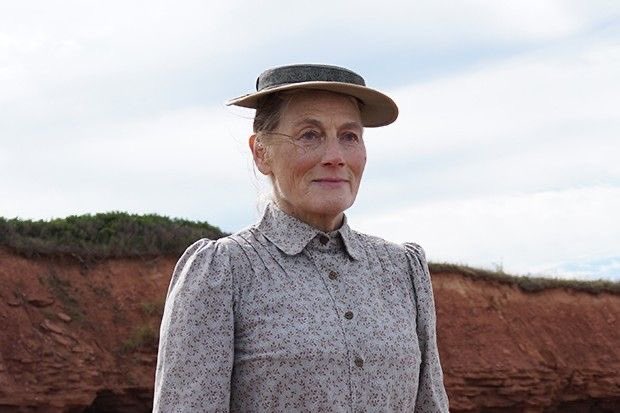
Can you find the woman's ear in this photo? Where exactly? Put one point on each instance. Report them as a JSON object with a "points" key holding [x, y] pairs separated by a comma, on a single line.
{"points": [[259, 153]]}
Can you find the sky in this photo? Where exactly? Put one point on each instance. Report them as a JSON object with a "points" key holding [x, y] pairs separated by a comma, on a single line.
{"points": [[504, 155]]}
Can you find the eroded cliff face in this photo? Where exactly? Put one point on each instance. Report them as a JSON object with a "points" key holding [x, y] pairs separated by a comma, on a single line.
{"points": [[79, 337], [504, 350]]}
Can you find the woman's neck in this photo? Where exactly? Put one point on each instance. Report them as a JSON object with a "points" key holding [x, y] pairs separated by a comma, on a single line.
{"points": [[323, 222]]}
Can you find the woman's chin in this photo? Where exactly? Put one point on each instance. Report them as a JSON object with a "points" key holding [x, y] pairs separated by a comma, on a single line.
{"points": [[332, 206]]}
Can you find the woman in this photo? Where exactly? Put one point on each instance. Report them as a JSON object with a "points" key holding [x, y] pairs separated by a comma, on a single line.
{"points": [[299, 312]]}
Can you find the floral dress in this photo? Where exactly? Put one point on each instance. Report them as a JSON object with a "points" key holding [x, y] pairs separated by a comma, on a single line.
{"points": [[281, 317]]}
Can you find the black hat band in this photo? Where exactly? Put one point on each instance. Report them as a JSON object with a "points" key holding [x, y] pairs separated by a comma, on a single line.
{"points": [[306, 73]]}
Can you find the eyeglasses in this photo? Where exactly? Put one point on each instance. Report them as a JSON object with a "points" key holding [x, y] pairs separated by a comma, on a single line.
{"points": [[313, 139]]}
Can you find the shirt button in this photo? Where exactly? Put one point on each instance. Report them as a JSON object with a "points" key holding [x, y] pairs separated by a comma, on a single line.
{"points": [[359, 362], [333, 275], [323, 239], [348, 315]]}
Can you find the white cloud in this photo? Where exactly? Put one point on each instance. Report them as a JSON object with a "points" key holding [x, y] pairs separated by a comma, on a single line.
{"points": [[431, 22], [188, 163], [44, 44], [523, 99], [109, 106], [533, 123], [509, 164], [586, 267], [525, 233]]}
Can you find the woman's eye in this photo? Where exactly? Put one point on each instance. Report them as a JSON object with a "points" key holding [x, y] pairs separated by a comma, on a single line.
{"points": [[349, 137], [310, 135]]}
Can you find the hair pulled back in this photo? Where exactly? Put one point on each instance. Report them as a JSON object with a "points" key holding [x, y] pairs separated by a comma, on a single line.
{"points": [[268, 112]]}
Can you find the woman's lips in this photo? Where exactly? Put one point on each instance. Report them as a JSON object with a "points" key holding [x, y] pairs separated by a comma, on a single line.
{"points": [[330, 182]]}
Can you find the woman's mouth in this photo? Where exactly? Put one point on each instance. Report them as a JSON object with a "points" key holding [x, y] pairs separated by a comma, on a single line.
{"points": [[330, 182]]}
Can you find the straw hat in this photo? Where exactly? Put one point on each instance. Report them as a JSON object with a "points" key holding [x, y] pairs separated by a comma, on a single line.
{"points": [[377, 108]]}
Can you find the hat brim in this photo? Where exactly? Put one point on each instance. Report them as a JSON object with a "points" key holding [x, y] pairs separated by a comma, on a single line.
{"points": [[377, 108]]}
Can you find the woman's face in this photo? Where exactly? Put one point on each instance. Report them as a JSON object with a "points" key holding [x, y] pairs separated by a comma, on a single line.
{"points": [[315, 157]]}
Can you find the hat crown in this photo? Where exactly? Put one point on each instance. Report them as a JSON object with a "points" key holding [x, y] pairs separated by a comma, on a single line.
{"points": [[376, 109], [306, 73]]}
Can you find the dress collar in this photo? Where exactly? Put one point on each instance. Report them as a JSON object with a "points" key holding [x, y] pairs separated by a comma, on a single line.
{"points": [[291, 235]]}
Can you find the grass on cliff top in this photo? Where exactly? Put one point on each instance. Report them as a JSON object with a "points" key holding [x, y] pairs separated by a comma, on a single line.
{"points": [[119, 234], [104, 235], [529, 283]]}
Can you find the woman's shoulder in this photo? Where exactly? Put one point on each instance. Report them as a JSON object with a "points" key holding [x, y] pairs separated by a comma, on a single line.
{"points": [[393, 248], [224, 248], [406, 256], [415, 250]]}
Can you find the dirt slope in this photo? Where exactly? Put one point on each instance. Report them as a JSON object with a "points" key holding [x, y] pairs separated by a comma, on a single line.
{"points": [[75, 335], [82, 338], [510, 351]]}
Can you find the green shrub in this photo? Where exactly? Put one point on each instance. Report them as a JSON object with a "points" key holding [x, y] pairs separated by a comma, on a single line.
{"points": [[61, 289], [113, 234], [142, 337], [150, 308]]}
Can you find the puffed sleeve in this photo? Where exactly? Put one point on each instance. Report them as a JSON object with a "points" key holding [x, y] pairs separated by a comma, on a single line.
{"points": [[195, 358], [431, 392]]}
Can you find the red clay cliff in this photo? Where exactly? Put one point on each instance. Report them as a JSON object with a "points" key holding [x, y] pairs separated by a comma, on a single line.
{"points": [[81, 337]]}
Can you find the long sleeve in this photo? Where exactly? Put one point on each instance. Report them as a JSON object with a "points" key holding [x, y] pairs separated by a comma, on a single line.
{"points": [[431, 392], [196, 347]]}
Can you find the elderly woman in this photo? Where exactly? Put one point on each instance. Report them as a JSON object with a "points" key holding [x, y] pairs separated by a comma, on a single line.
{"points": [[299, 312]]}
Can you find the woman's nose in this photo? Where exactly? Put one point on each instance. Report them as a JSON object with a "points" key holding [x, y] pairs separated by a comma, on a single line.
{"points": [[333, 152]]}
